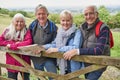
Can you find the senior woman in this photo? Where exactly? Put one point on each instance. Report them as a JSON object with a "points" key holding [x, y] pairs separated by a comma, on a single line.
{"points": [[14, 36], [68, 37]]}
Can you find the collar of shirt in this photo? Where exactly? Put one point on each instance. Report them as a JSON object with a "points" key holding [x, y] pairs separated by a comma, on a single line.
{"points": [[43, 27]]}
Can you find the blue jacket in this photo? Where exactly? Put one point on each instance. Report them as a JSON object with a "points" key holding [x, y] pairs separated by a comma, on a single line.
{"points": [[73, 43]]}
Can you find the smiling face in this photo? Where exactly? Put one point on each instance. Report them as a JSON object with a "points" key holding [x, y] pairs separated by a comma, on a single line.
{"points": [[66, 20], [41, 15], [90, 15], [19, 23]]}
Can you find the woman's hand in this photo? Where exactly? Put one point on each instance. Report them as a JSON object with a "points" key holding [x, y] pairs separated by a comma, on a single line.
{"points": [[69, 54], [8, 46], [50, 50]]}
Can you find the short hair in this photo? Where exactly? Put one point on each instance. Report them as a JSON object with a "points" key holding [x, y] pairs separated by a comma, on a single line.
{"points": [[41, 6], [93, 6], [66, 12]]}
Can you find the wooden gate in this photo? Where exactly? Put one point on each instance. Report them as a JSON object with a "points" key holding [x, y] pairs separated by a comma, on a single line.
{"points": [[97, 61]]}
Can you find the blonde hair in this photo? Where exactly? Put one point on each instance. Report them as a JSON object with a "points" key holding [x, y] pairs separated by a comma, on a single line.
{"points": [[66, 12], [11, 34]]}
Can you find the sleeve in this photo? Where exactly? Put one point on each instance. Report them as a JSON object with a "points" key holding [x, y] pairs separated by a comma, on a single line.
{"points": [[3, 41], [74, 43], [27, 41], [102, 41], [51, 45]]}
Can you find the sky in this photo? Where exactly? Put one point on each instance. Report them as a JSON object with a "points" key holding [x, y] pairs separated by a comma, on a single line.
{"points": [[56, 3]]}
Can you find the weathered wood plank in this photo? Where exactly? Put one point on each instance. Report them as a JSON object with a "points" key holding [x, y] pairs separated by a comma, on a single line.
{"points": [[1, 78], [77, 79], [99, 60], [83, 71], [59, 78], [4, 49], [22, 69], [0, 71], [32, 70]]}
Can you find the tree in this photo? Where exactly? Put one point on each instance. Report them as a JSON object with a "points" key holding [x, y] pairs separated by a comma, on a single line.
{"points": [[104, 14]]}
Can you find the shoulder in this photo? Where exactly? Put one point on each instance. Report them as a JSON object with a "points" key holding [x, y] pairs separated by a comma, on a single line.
{"points": [[52, 25], [104, 27], [77, 31], [33, 23], [6, 30]]}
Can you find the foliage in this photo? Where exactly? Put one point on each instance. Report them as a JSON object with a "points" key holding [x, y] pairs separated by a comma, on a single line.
{"points": [[115, 21], [54, 18], [112, 20], [104, 14], [12, 13], [78, 19], [4, 11]]}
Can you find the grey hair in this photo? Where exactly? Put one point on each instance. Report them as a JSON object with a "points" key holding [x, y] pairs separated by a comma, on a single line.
{"points": [[92, 6], [17, 16], [66, 12], [11, 33], [41, 6]]}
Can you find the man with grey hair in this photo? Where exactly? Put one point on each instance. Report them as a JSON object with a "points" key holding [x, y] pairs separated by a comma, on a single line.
{"points": [[43, 32], [92, 44]]}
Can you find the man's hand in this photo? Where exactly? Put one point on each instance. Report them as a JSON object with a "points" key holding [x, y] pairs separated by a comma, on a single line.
{"points": [[37, 52], [69, 54], [50, 50]]}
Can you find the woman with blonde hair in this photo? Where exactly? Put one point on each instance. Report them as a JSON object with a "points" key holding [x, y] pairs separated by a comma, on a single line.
{"points": [[68, 37]]}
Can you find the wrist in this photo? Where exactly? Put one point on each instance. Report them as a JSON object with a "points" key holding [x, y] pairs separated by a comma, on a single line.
{"points": [[78, 52]]}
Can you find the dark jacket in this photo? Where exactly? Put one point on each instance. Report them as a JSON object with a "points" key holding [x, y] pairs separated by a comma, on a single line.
{"points": [[93, 45], [42, 36]]}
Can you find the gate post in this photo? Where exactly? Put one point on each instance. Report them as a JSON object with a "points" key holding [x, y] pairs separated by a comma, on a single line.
{"points": [[0, 71]]}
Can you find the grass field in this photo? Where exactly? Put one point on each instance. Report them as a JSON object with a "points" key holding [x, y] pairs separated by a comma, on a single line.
{"points": [[115, 51]]}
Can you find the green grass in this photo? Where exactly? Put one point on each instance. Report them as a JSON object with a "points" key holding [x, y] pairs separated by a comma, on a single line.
{"points": [[115, 51]]}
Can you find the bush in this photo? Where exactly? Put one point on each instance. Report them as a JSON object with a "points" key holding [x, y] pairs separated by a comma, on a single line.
{"points": [[78, 19], [54, 18], [4, 11]]}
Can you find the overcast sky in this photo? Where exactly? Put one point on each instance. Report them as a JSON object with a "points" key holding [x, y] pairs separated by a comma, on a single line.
{"points": [[33, 3]]}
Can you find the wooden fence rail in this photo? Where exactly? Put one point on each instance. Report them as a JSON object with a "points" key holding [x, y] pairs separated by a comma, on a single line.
{"points": [[97, 61]]}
